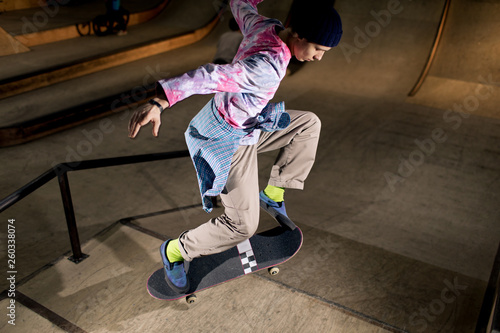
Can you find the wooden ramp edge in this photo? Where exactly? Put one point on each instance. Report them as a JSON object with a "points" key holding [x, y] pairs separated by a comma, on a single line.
{"points": [[49, 124], [8, 5], [9, 45], [98, 64], [68, 32]]}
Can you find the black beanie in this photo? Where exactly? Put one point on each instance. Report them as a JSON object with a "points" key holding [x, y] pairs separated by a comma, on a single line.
{"points": [[317, 21]]}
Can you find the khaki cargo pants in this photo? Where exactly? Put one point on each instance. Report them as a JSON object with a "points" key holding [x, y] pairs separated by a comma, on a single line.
{"points": [[297, 144]]}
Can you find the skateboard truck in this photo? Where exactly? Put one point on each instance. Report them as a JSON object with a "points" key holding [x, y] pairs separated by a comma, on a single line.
{"points": [[190, 299]]}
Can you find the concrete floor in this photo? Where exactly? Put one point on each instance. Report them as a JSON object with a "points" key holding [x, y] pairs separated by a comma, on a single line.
{"points": [[389, 245]]}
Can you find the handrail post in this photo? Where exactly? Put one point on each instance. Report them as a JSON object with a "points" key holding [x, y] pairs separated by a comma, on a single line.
{"points": [[77, 256]]}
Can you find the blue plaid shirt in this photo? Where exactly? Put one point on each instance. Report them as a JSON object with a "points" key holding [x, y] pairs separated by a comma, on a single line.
{"points": [[212, 143]]}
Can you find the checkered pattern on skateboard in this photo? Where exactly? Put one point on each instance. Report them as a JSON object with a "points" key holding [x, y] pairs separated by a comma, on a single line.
{"points": [[247, 257]]}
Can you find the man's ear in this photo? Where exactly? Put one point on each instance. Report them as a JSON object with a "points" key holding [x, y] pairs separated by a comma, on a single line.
{"points": [[297, 37]]}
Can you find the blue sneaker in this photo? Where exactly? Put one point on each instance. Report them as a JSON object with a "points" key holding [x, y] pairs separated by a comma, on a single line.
{"points": [[277, 210], [175, 273]]}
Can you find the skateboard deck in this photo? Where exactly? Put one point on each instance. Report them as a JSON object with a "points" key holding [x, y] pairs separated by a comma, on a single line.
{"points": [[263, 250]]}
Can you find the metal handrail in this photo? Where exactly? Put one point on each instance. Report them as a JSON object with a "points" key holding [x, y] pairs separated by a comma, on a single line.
{"points": [[60, 171]]}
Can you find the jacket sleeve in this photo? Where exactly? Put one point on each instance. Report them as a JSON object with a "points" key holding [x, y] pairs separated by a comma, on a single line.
{"points": [[252, 75], [245, 14]]}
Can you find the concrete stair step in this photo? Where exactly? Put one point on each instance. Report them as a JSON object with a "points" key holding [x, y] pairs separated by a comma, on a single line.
{"points": [[107, 292]]}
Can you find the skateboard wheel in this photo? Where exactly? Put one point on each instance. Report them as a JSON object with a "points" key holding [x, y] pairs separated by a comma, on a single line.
{"points": [[191, 299], [273, 270]]}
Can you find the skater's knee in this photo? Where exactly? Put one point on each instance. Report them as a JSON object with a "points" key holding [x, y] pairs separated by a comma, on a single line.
{"points": [[311, 124], [247, 230], [315, 122], [246, 225], [242, 226]]}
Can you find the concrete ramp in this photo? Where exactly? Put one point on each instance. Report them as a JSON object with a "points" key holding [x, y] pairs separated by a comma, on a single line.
{"points": [[408, 252], [107, 293], [9, 45], [384, 46], [465, 75]]}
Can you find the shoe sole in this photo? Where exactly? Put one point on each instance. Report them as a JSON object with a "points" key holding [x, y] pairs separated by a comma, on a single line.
{"points": [[282, 219]]}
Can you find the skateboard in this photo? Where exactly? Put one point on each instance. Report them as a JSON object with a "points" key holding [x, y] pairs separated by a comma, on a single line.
{"points": [[262, 251]]}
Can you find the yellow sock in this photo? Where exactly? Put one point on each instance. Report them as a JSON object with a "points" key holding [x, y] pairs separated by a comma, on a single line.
{"points": [[173, 252], [277, 194]]}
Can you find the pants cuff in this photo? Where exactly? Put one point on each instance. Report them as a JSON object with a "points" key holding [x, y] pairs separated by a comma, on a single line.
{"points": [[184, 254], [292, 184]]}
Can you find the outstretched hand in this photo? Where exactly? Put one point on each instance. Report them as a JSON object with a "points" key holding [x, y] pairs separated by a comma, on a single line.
{"points": [[148, 113]]}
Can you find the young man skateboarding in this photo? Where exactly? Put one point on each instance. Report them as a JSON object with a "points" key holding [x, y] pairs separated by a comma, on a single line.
{"points": [[239, 122]]}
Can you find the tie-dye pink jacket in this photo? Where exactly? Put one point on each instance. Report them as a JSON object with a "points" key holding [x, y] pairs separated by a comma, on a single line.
{"points": [[242, 89]]}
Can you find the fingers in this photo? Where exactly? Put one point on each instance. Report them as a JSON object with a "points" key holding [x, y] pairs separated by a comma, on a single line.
{"points": [[135, 123], [134, 131], [134, 126], [142, 117], [138, 124], [156, 127], [131, 128]]}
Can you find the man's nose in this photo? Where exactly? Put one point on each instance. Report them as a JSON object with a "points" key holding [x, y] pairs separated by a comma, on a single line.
{"points": [[318, 56]]}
